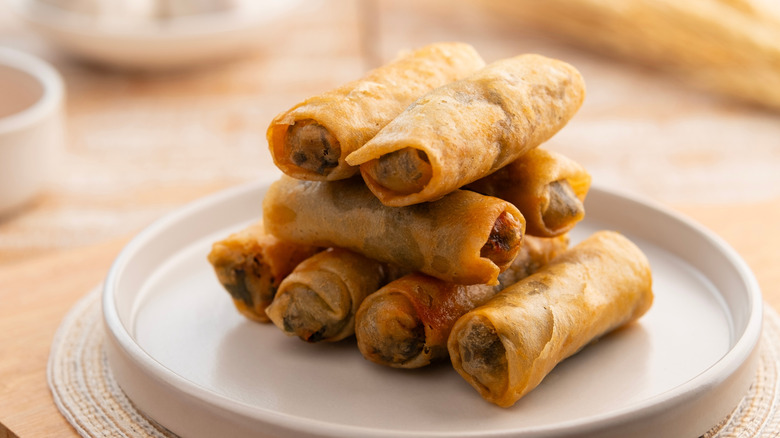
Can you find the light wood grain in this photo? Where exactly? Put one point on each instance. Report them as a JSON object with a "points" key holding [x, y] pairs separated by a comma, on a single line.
{"points": [[751, 229], [36, 295]]}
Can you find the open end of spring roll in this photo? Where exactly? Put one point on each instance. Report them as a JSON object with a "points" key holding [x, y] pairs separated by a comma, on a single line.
{"points": [[389, 331], [469, 128], [597, 286], [563, 206], [482, 355], [251, 265], [505, 235], [405, 171], [312, 147], [319, 299], [312, 139], [406, 323], [548, 188], [464, 238], [304, 313]]}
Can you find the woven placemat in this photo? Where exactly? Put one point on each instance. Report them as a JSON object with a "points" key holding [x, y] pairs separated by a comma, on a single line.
{"points": [[87, 395]]}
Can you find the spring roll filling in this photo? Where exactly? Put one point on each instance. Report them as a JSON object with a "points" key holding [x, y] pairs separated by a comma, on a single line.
{"points": [[396, 335], [308, 316], [312, 147], [563, 205], [238, 289], [248, 281], [482, 354], [404, 171], [504, 240]]}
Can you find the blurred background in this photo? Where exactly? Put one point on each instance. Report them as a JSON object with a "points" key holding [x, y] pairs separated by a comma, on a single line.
{"points": [[168, 101]]}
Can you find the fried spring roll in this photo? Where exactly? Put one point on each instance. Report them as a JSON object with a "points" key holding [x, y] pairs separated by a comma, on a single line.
{"points": [[318, 300], [405, 324], [467, 129], [548, 188], [505, 347], [250, 265], [464, 238], [311, 140]]}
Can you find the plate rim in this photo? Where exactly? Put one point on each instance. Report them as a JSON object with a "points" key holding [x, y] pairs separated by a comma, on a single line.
{"points": [[739, 355]]}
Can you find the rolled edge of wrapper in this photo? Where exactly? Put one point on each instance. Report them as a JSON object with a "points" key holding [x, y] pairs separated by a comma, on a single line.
{"points": [[404, 347], [393, 198], [321, 293], [526, 182], [520, 372], [250, 265], [328, 287], [442, 179], [494, 268], [426, 308], [579, 180], [276, 137], [284, 204], [334, 109], [423, 308]]}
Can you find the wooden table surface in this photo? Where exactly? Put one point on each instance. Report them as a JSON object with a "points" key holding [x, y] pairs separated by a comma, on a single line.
{"points": [[139, 145]]}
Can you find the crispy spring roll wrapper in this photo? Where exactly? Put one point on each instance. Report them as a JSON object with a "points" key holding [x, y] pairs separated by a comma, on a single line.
{"points": [[251, 264], [406, 323], [467, 129], [464, 238], [505, 347], [312, 139], [319, 299], [548, 188]]}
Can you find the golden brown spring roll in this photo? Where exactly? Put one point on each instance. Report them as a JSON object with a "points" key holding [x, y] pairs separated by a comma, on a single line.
{"points": [[250, 265], [467, 129], [548, 188], [405, 324], [505, 347], [464, 238], [318, 300], [311, 140]]}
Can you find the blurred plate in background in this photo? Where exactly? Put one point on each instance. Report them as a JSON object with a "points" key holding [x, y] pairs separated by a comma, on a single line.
{"points": [[155, 34]]}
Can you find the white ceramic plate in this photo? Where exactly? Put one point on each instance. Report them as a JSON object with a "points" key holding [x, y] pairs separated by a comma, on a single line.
{"points": [[190, 361], [138, 42]]}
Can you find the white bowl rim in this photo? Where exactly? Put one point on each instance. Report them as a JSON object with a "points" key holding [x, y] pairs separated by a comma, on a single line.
{"points": [[51, 82]]}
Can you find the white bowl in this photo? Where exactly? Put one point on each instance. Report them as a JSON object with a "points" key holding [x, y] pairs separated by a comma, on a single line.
{"points": [[31, 96], [137, 39]]}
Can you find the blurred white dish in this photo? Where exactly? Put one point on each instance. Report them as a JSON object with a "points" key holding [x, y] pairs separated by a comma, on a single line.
{"points": [[184, 356], [154, 34], [31, 95]]}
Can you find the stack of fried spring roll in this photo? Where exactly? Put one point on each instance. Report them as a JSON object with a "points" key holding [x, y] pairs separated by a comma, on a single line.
{"points": [[437, 200]]}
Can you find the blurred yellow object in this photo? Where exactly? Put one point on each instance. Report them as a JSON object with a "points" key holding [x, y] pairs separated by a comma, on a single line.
{"points": [[728, 46]]}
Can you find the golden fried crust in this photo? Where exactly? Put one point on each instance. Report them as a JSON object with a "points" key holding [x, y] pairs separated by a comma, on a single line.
{"points": [[548, 188], [442, 239], [319, 299], [353, 113], [505, 347], [251, 264], [406, 323], [472, 127]]}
